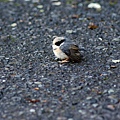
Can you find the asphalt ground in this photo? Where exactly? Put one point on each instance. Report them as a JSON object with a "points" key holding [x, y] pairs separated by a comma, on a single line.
{"points": [[34, 86]]}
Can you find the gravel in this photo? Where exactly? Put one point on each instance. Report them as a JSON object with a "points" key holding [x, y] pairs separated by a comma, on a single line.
{"points": [[34, 86]]}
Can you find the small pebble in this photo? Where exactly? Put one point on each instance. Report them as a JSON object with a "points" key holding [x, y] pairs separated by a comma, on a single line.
{"points": [[70, 118], [7, 58], [61, 118], [94, 105], [100, 39], [111, 91], [35, 1], [36, 88], [13, 24], [4, 81], [38, 83], [41, 10], [82, 112], [1, 57], [53, 0], [111, 107], [112, 66], [88, 98], [6, 68], [40, 6], [99, 47], [115, 61], [21, 113], [56, 3], [116, 39], [69, 31], [97, 6], [32, 110]]}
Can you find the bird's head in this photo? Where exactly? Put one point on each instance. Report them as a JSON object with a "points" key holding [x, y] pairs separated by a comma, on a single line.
{"points": [[58, 41]]}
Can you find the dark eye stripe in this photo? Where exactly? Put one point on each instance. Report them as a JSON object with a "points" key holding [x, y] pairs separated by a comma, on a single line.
{"points": [[59, 42]]}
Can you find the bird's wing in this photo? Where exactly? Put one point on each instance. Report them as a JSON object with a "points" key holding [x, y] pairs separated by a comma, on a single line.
{"points": [[65, 47], [72, 51]]}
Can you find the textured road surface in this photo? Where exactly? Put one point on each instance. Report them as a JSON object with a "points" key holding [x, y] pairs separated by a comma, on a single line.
{"points": [[34, 86]]}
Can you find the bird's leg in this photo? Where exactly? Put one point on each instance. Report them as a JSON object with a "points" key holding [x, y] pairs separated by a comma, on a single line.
{"points": [[65, 60]]}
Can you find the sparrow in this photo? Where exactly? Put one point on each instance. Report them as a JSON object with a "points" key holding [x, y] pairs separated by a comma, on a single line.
{"points": [[66, 50]]}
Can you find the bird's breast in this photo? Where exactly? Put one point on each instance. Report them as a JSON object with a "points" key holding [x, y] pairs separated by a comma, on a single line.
{"points": [[59, 53]]}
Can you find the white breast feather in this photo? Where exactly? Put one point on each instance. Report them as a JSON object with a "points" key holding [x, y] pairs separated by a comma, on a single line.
{"points": [[58, 53]]}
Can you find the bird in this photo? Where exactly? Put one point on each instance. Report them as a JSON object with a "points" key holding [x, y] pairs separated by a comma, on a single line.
{"points": [[65, 50]]}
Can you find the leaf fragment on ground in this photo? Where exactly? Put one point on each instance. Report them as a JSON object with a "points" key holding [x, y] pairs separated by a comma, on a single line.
{"points": [[92, 26]]}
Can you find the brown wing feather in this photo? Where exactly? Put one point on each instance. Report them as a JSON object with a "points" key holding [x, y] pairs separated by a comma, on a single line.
{"points": [[74, 53]]}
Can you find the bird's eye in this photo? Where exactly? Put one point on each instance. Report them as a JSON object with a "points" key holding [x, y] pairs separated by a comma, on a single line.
{"points": [[59, 42]]}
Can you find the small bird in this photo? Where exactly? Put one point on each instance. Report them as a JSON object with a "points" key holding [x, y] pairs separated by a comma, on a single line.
{"points": [[66, 50]]}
